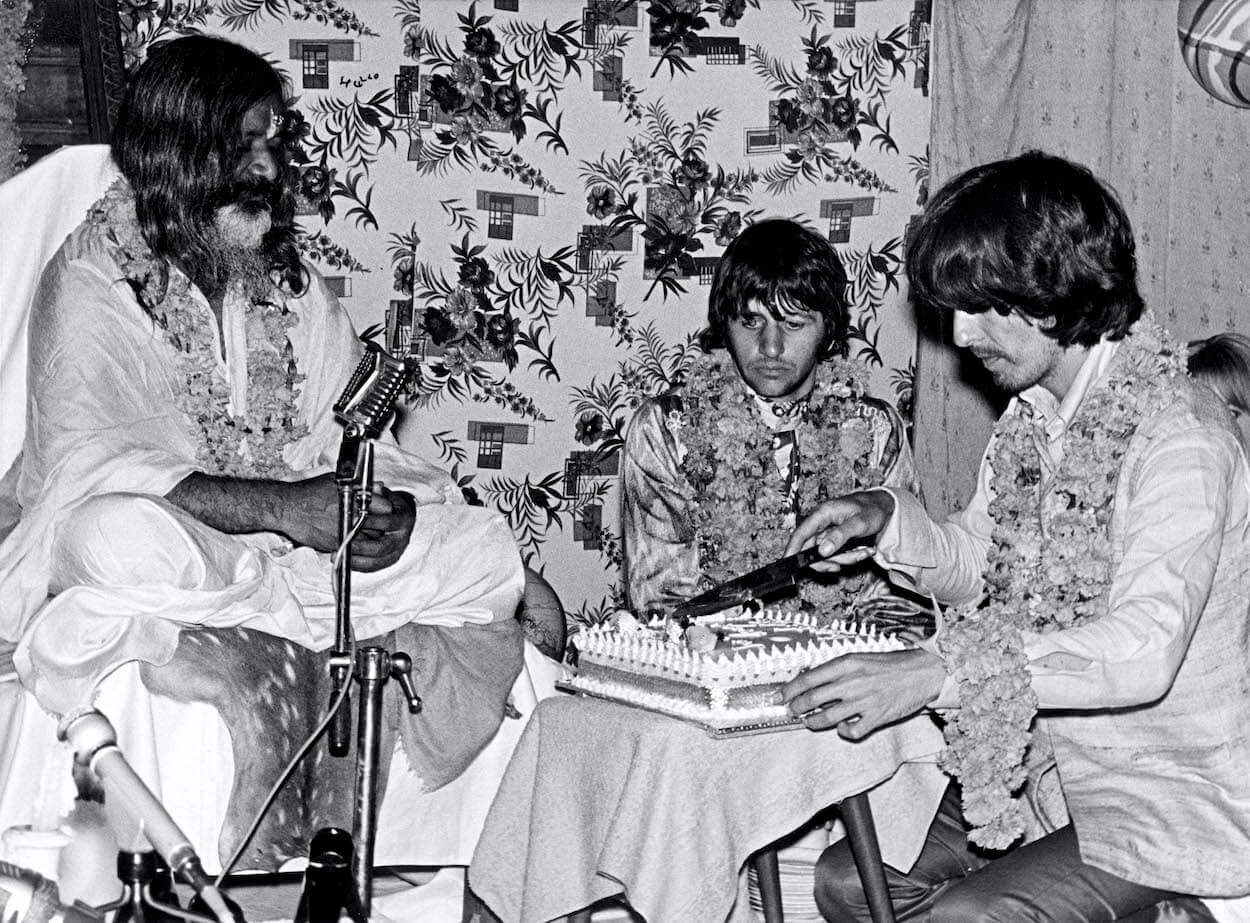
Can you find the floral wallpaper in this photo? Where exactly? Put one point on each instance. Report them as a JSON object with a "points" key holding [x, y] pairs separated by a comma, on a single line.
{"points": [[531, 195]]}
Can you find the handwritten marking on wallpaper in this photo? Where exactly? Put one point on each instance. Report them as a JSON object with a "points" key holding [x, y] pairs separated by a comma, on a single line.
{"points": [[357, 82]]}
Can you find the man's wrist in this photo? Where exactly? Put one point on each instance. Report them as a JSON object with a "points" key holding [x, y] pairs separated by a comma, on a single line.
{"points": [[231, 505], [947, 695]]}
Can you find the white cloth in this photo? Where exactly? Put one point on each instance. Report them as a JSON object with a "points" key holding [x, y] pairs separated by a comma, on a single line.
{"points": [[102, 421], [50, 196], [84, 461]]}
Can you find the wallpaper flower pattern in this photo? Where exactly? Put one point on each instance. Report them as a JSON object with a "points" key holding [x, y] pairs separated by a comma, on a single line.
{"points": [[531, 195]]}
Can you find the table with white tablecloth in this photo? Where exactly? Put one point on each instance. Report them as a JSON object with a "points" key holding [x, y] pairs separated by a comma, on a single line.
{"points": [[604, 800]]}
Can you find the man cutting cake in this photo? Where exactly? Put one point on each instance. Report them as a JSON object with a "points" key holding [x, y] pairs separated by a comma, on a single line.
{"points": [[1098, 581]]}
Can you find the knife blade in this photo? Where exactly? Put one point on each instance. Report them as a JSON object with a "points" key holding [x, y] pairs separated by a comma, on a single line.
{"points": [[763, 581], [756, 584]]}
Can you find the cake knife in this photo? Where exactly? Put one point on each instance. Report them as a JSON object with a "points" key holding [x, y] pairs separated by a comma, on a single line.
{"points": [[757, 584]]}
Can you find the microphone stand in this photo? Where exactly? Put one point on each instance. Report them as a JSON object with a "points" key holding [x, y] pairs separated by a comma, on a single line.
{"points": [[351, 456], [373, 665]]}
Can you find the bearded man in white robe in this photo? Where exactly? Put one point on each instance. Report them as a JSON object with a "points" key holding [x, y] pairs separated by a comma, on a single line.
{"points": [[177, 469]]}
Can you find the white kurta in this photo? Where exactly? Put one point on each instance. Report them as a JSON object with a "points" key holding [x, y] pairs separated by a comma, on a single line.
{"points": [[102, 421], [1145, 706]]}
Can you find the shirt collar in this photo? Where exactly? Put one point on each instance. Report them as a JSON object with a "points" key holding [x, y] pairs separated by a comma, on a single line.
{"points": [[780, 415], [1057, 415]]}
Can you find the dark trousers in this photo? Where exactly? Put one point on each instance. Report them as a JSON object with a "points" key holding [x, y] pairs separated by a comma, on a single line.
{"points": [[1042, 881]]}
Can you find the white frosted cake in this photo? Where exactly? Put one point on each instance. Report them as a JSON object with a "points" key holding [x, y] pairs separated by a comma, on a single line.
{"points": [[724, 671]]}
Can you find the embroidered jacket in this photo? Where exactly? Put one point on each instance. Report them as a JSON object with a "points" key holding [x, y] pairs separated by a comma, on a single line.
{"points": [[661, 548]]}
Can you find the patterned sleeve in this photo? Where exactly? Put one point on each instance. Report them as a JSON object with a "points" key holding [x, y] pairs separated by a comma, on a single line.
{"points": [[661, 553], [892, 448], [880, 603]]}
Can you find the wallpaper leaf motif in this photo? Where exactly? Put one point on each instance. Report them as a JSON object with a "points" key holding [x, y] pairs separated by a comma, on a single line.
{"points": [[532, 507], [353, 131], [488, 86], [436, 140], [318, 246], [603, 409], [541, 56], [872, 277], [829, 102], [685, 198], [475, 320], [143, 22], [247, 14], [460, 217]]}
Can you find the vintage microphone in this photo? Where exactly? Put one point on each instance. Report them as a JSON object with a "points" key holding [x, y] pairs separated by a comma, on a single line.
{"points": [[94, 741], [364, 408]]}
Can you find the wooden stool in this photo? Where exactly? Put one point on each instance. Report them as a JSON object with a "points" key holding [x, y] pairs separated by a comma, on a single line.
{"points": [[862, 834]]}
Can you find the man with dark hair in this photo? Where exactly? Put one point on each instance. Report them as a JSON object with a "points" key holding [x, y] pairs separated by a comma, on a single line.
{"points": [[1097, 582], [772, 420], [178, 464]]}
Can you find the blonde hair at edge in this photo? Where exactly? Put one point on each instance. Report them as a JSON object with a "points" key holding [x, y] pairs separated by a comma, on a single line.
{"points": [[1222, 363]]}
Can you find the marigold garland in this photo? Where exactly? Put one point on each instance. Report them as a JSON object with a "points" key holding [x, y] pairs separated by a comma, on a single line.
{"points": [[228, 444], [1049, 567], [14, 45], [739, 497]]}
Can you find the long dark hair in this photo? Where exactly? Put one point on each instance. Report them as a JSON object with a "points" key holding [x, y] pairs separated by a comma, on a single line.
{"points": [[177, 141], [1035, 234]]}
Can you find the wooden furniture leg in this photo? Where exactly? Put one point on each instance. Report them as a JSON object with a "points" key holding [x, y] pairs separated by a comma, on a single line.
{"points": [[768, 876], [857, 815]]}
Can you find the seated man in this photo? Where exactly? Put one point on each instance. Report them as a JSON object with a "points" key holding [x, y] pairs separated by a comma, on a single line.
{"points": [[1099, 576], [177, 468], [772, 421]]}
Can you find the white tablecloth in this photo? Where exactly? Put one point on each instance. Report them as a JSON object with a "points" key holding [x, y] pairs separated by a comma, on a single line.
{"points": [[601, 799]]}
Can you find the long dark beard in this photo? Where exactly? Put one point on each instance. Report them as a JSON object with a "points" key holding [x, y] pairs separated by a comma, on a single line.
{"points": [[242, 265], [234, 240]]}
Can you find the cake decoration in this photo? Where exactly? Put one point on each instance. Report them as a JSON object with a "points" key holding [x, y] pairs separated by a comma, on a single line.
{"points": [[725, 670]]}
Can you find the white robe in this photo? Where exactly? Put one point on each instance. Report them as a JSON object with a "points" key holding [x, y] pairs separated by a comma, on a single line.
{"points": [[101, 420], [101, 424]]}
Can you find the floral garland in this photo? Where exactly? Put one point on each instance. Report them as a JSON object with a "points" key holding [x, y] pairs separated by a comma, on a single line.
{"points": [[740, 501], [14, 45], [228, 444], [1049, 567]]}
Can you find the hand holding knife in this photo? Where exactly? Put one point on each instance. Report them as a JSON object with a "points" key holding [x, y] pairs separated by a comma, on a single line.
{"points": [[762, 582]]}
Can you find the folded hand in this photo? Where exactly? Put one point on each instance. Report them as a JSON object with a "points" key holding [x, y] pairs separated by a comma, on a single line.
{"points": [[309, 516], [388, 526]]}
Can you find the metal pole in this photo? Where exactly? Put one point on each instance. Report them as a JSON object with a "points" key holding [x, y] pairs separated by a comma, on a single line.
{"points": [[372, 670], [374, 666], [340, 656]]}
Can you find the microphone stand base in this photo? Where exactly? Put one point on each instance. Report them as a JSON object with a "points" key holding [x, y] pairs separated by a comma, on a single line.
{"points": [[147, 889]]}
